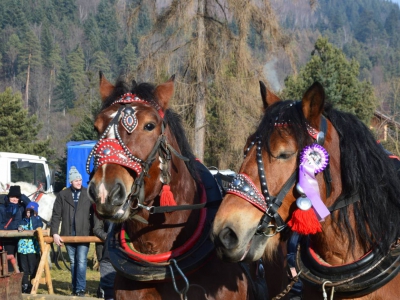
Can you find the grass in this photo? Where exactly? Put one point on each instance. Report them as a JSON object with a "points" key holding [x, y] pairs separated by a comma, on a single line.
{"points": [[61, 279]]}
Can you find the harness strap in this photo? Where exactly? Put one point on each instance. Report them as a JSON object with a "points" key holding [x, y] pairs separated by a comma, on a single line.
{"points": [[344, 202]]}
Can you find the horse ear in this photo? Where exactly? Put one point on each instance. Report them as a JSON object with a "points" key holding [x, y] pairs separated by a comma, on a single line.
{"points": [[106, 87], [164, 92], [313, 104], [268, 98]]}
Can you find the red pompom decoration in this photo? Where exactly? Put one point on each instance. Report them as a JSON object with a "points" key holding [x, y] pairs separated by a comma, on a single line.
{"points": [[167, 198], [305, 222]]}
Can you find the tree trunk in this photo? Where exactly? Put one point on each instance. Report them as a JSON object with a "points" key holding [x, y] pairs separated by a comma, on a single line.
{"points": [[27, 82], [49, 107], [200, 104]]}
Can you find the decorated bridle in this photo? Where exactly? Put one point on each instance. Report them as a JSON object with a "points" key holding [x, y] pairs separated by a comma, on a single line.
{"points": [[115, 151], [242, 186]]}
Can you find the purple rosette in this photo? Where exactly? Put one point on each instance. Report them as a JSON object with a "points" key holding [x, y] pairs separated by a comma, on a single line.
{"points": [[314, 159], [316, 156]]}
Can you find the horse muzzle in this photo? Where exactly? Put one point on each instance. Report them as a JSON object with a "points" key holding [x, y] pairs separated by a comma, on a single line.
{"points": [[111, 200], [229, 248]]}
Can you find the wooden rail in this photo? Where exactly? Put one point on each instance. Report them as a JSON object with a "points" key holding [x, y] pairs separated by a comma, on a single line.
{"points": [[44, 238]]}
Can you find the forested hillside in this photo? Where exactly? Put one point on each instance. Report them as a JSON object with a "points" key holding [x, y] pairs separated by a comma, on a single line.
{"points": [[52, 50]]}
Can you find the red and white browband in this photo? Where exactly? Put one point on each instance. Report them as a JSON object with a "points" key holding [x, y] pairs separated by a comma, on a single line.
{"points": [[114, 150], [130, 98]]}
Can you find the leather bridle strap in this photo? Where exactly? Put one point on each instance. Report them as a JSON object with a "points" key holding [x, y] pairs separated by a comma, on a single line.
{"points": [[272, 211]]}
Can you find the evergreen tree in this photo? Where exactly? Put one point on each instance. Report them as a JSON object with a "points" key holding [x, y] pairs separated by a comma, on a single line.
{"points": [[92, 33], [18, 131], [84, 130], [339, 77], [64, 95], [366, 28], [100, 63], [392, 26], [12, 51], [14, 16], [46, 45], [128, 58], [30, 60], [76, 69]]}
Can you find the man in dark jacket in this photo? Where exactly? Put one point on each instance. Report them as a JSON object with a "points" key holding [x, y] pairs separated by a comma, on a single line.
{"points": [[73, 209]]}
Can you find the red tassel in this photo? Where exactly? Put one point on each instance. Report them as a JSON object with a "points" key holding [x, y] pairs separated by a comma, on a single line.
{"points": [[305, 222], [167, 198]]}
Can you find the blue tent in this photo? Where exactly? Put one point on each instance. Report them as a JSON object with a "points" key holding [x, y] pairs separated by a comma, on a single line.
{"points": [[77, 155]]}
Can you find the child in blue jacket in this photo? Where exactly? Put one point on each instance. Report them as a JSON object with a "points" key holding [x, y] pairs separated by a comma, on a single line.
{"points": [[28, 248]]}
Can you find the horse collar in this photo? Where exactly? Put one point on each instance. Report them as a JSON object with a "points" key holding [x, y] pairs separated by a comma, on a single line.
{"points": [[353, 280], [191, 256]]}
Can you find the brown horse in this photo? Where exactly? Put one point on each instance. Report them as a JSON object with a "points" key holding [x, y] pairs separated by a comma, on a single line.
{"points": [[148, 182], [313, 170]]}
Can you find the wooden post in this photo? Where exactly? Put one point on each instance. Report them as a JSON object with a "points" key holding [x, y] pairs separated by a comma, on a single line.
{"points": [[43, 265]]}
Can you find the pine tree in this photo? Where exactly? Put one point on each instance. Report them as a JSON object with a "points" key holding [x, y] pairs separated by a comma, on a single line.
{"points": [[76, 69], [92, 33], [128, 58], [18, 131], [339, 77], [64, 95], [12, 52], [30, 59], [100, 63]]}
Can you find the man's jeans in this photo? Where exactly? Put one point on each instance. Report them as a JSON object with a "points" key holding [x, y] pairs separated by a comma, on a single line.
{"points": [[78, 257]]}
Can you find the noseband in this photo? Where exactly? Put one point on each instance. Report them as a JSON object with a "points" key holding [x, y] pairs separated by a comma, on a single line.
{"points": [[242, 186]]}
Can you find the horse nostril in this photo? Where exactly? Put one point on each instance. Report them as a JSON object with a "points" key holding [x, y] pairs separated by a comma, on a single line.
{"points": [[117, 194], [228, 238]]}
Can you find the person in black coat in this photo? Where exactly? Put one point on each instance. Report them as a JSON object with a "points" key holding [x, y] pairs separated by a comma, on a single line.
{"points": [[11, 212], [73, 208], [107, 271]]}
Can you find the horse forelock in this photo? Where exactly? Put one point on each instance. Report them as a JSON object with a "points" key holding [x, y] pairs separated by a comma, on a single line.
{"points": [[145, 91], [284, 116]]}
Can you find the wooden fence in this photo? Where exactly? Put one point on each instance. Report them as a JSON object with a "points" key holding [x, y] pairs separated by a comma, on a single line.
{"points": [[44, 241]]}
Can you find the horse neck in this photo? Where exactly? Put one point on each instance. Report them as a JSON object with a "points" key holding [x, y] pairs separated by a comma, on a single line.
{"points": [[167, 231], [333, 244]]}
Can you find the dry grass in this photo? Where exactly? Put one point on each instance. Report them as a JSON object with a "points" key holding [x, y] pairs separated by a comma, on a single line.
{"points": [[62, 278]]}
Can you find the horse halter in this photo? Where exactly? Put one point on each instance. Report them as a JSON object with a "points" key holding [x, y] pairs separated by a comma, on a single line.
{"points": [[243, 187], [115, 151]]}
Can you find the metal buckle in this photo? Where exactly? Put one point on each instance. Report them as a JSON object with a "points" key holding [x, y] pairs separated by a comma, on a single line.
{"points": [[267, 212]]}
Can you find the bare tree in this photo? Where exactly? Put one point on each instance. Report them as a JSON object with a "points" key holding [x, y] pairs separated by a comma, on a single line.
{"points": [[206, 42]]}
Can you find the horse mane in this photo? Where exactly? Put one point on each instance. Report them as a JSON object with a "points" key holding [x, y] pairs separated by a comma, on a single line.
{"points": [[366, 170], [145, 91]]}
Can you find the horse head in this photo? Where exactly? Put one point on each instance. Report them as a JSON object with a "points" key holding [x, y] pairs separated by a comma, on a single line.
{"points": [[134, 152], [261, 199]]}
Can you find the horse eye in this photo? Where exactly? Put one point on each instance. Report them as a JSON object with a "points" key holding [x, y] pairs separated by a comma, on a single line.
{"points": [[149, 127], [284, 155]]}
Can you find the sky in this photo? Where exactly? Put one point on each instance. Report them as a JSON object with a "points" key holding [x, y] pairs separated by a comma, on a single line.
{"points": [[396, 1]]}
